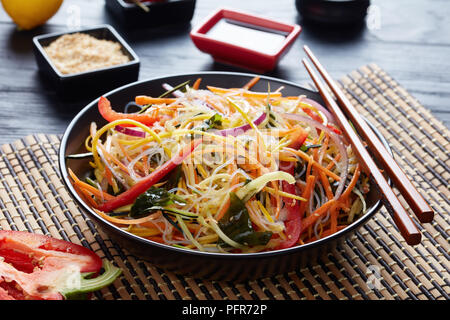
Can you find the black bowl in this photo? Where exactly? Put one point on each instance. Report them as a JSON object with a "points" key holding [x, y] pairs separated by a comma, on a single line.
{"points": [[160, 13], [333, 12], [218, 266], [89, 83]]}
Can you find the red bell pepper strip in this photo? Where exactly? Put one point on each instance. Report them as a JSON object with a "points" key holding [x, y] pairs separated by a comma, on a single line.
{"points": [[34, 266], [143, 185], [293, 222], [315, 117], [312, 114], [105, 109]]}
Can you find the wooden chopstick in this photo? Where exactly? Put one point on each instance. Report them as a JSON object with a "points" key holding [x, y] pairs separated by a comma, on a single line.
{"points": [[418, 205], [401, 218]]}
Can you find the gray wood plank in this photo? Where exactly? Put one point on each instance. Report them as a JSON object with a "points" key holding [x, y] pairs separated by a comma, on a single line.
{"points": [[412, 45]]}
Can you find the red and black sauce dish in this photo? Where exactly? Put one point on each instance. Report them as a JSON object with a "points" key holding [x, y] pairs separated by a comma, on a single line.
{"points": [[244, 40]]}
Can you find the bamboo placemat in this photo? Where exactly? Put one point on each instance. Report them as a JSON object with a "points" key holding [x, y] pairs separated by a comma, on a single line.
{"points": [[374, 263]]}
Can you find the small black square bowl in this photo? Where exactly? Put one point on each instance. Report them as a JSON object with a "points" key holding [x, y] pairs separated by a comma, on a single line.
{"points": [[89, 83], [160, 13]]}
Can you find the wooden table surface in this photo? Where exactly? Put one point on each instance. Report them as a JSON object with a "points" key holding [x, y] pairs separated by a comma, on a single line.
{"points": [[408, 39]]}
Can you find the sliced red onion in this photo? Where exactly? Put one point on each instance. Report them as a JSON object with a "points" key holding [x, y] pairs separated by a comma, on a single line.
{"points": [[337, 140], [321, 108], [239, 130], [130, 132]]}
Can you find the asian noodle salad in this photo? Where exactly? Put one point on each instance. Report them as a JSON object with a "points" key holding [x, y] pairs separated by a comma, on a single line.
{"points": [[222, 169]]}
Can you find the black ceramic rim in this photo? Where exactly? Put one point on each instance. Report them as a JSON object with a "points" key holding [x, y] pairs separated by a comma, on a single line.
{"points": [[329, 239]]}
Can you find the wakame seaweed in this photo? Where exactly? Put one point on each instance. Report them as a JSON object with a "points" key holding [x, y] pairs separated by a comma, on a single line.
{"points": [[153, 197], [236, 224]]}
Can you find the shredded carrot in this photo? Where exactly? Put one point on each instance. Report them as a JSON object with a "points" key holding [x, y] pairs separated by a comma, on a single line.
{"points": [[233, 182], [125, 153], [158, 239], [243, 92], [145, 165], [311, 219], [144, 100], [332, 163], [110, 179], [251, 83], [196, 179], [196, 84], [85, 195], [123, 221], [309, 167], [333, 210], [307, 192], [352, 183], [113, 159], [214, 105], [96, 192], [333, 219], [306, 157], [326, 185], [193, 227], [152, 224]]}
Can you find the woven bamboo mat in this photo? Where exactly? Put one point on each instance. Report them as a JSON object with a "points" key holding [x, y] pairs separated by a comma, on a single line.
{"points": [[374, 263]]}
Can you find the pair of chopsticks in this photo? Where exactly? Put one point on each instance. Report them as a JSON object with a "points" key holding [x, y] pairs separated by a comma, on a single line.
{"points": [[418, 205]]}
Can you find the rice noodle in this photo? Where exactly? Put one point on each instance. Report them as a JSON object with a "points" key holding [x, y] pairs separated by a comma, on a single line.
{"points": [[149, 153]]}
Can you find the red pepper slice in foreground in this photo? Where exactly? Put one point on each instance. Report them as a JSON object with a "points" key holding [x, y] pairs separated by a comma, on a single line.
{"points": [[34, 266], [293, 220], [105, 109], [131, 194]]}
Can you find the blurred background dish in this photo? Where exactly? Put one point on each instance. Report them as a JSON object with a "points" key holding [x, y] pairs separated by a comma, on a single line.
{"points": [[333, 12], [158, 13]]}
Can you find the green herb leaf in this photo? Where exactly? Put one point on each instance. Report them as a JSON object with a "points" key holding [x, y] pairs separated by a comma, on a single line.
{"points": [[236, 224], [305, 148], [215, 122]]}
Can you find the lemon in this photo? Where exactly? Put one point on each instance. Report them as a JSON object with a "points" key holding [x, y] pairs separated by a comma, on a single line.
{"points": [[28, 14]]}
